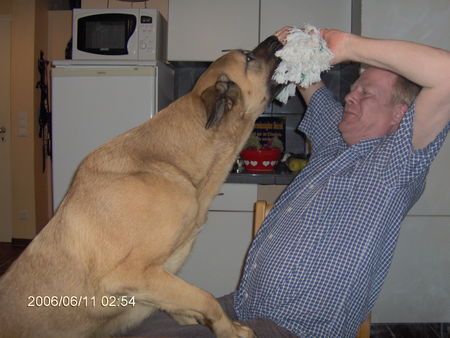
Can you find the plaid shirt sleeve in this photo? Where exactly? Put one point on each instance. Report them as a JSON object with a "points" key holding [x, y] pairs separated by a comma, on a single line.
{"points": [[321, 119], [407, 163]]}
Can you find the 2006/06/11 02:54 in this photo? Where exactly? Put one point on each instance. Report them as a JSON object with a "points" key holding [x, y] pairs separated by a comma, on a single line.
{"points": [[77, 301]]}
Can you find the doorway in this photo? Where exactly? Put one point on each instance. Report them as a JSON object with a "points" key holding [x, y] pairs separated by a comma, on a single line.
{"points": [[5, 130]]}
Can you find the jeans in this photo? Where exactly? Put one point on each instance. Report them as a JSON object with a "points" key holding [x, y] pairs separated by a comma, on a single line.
{"points": [[159, 324]]}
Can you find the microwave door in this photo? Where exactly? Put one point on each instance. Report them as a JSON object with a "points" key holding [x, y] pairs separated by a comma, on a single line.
{"points": [[105, 36]]}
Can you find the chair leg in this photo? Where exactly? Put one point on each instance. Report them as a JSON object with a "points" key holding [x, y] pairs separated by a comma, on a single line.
{"points": [[364, 329]]}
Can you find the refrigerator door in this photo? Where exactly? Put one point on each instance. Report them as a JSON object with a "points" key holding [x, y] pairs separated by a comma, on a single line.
{"points": [[91, 105]]}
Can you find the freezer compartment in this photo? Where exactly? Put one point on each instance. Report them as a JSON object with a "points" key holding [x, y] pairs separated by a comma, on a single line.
{"points": [[91, 105]]}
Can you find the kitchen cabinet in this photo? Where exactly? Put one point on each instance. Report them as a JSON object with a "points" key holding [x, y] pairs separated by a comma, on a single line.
{"points": [[200, 29], [324, 14], [417, 287], [418, 283], [435, 200], [218, 255]]}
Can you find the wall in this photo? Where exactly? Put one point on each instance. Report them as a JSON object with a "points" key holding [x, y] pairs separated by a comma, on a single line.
{"points": [[29, 185], [5, 7], [42, 171], [22, 108], [161, 5], [59, 33], [5, 121]]}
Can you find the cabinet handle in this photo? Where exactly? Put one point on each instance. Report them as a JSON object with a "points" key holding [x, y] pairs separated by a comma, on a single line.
{"points": [[220, 194]]}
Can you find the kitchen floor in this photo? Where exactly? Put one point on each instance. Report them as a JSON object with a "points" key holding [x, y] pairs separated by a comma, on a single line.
{"points": [[9, 252]]}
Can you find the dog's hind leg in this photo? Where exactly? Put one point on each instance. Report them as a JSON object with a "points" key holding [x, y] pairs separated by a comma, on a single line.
{"points": [[159, 288]]}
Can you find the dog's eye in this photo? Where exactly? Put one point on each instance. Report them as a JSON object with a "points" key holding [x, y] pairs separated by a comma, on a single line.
{"points": [[250, 57]]}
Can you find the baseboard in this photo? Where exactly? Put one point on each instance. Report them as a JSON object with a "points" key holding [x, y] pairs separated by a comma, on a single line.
{"points": [[20, 242]]}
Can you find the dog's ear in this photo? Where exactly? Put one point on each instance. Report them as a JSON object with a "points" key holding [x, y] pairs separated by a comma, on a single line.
{"points": [[219, 99]]}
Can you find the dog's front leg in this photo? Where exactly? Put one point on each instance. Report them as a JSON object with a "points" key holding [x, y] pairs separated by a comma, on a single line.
{"points": [[159, 288]]}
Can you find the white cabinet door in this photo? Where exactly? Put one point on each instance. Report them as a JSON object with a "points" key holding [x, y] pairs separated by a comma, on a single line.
{"points": [[417, 287], [218, 255], [320, 13], [200, 29], [235, 197], [435, 200]]}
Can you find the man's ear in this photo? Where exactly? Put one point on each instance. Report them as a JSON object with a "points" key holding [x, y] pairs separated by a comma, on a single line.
{"points": [[400, 111], [219, 99]]}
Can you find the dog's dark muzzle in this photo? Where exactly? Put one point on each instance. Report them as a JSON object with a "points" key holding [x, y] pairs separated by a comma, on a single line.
{"points": [[268, 47], [266, 50]]}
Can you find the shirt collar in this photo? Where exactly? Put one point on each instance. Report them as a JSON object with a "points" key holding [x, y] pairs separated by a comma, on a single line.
{"points": [[363, 147]]}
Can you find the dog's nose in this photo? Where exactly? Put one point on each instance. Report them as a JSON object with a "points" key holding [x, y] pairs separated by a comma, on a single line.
{"points": [[269, 45]]}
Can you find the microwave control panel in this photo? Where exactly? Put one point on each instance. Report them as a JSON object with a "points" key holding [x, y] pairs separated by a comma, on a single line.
{"points": [[147, 38], [152, 28]]}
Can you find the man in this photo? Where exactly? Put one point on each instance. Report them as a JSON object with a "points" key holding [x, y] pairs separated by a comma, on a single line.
{"points": [[332, 233], [318, 263]]}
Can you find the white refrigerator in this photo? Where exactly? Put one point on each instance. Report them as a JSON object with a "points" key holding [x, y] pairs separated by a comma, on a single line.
{"points": [[92, 103]]}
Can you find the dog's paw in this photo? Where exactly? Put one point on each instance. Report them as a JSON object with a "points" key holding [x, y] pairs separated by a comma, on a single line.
{"points": [[183, 319], [243, 331]]}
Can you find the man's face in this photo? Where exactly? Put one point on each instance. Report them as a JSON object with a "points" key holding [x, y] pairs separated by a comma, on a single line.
{"points": [[368, 110]]}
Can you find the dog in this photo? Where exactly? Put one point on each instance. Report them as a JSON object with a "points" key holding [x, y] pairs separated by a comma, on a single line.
{"points": [[108, 257]]}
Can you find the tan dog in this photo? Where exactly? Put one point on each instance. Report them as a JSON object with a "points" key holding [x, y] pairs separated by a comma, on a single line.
{"points": [[107, 258]]}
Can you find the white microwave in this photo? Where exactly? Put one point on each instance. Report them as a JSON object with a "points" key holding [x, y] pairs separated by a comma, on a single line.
{"points": [[119, 34]]}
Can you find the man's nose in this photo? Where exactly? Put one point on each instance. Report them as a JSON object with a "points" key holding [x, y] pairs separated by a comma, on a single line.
{"points": [[351, 97]]}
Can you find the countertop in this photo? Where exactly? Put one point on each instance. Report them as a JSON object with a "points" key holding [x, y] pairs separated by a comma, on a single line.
{"points": [[277, 178]]}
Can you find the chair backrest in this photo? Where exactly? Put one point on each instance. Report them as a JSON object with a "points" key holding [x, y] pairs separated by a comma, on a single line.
{"points": [[262, 208]]}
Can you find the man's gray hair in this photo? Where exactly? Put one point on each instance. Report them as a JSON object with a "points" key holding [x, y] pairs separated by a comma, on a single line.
{"points": [[404, 91]]}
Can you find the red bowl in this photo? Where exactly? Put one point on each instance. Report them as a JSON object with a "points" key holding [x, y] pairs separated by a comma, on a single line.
{"points": [[260, 161]]}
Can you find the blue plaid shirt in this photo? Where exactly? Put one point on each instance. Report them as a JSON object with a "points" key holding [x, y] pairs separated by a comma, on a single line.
{"points": [[318, 263]]}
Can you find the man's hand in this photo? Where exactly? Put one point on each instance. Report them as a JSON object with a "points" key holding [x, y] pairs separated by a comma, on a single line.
{"points": [[338, 42], [283, 33]]}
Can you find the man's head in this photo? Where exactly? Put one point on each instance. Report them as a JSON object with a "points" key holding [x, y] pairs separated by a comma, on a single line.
{"points": [[375, 105]]}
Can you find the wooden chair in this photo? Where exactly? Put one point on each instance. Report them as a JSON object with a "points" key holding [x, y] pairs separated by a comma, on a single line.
{"points": [[262, 208]]}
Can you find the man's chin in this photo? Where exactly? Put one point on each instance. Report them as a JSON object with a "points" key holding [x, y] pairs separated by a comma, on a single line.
{"points": [[343, 127], [345, 133]]}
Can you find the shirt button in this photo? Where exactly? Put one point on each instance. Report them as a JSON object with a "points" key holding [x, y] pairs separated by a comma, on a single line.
{"points": [[289, 209], [254, 265], [311, 186], [270, 236]]}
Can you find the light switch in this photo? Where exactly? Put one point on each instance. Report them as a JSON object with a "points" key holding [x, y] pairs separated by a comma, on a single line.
{"points": [[22, 124]]}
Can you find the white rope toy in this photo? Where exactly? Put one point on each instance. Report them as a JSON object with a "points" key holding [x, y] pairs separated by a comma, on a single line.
{"points": [[304, 56]]}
